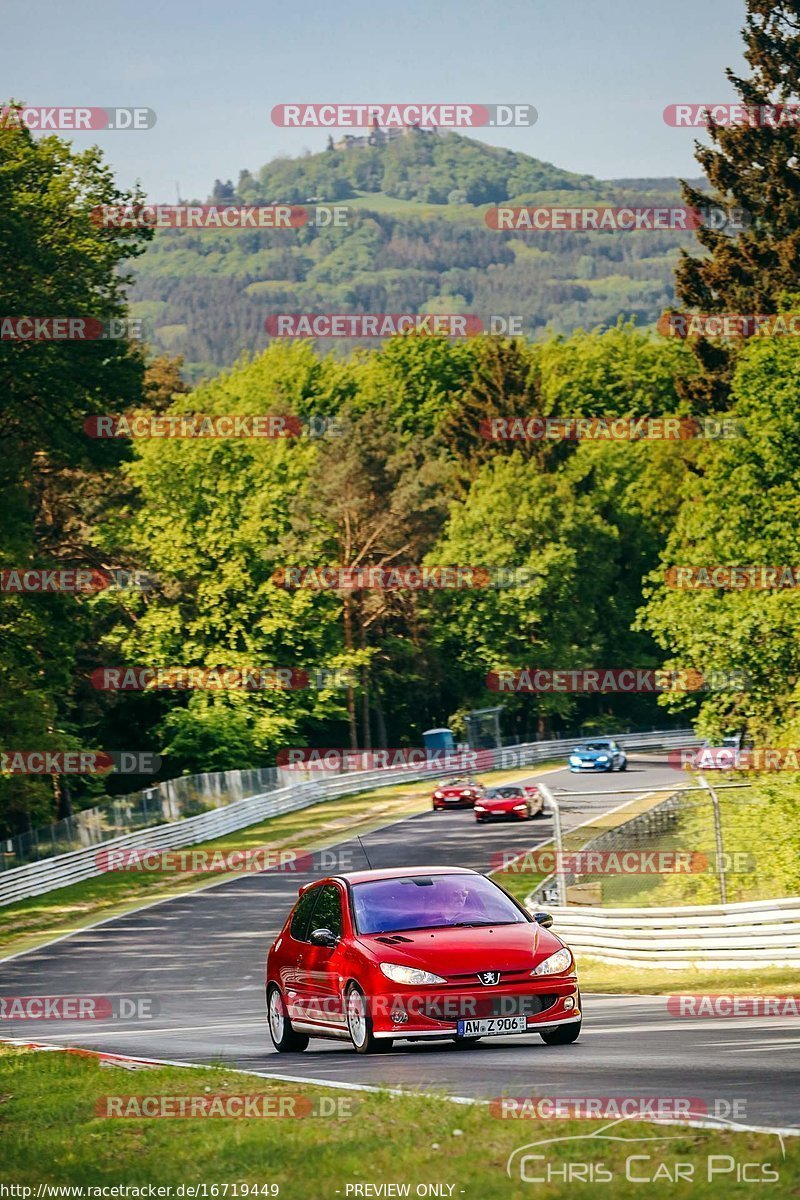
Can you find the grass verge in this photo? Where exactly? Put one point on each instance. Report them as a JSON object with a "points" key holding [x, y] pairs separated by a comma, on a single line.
{"points": [[596, 976], [50, 1132]]}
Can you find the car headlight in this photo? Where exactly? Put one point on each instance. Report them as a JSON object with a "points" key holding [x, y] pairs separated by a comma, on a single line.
{"points": [[556, 964], [411, 975], [480, 808], [516, 806], [573, 758], [602, 758], [437, 795]]}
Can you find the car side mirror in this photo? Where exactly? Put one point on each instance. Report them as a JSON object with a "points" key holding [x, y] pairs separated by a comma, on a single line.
{"points": [[544, 919], [323, 937]]}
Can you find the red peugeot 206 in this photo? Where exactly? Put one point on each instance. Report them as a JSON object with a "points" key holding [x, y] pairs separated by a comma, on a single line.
{"points": [[433, 952]]}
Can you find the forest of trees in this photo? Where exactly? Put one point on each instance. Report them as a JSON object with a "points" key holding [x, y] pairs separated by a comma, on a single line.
{"points": [[403, 475], [421, 247]]}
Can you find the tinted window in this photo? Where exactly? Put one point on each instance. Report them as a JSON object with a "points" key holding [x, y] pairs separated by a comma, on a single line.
{"points": [[327, 912], [302, 912], [431, 902]]}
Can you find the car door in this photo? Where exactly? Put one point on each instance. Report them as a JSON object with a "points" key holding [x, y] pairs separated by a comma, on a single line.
{"points": [[293, 974], [322, 964]]}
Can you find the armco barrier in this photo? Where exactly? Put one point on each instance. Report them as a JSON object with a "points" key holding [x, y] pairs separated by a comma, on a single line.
{"points": [[764, 933], [33, 879]]}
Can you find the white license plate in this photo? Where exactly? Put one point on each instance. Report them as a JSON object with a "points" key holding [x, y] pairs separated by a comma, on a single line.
{"points": [[492, 1025]]}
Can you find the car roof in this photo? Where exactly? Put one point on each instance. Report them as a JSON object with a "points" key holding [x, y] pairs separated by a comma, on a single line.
{"points": [[400, 873]]}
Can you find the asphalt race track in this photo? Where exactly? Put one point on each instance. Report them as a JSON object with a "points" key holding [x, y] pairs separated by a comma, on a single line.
{"points": [[202, 957]]}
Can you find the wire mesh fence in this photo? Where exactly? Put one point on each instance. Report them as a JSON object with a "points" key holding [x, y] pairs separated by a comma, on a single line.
{"points": [[171, 800], [674, 850]]}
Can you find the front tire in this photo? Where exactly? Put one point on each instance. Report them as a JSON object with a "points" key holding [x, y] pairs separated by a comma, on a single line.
{"points": [[561, 1035], [359, 1022], [624, 765], [285, 1037]]}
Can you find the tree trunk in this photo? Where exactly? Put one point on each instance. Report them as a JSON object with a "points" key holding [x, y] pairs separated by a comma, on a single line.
{"points": [[351, 696], [365, 729], [380, 722]]}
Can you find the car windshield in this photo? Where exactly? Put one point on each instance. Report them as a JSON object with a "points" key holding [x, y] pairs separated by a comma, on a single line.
{"points": [[504, 793], [430, 902], [595, 746]]}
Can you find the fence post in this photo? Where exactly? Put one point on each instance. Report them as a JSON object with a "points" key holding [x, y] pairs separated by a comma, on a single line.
{"points": [[723, 889], [561, 879]]}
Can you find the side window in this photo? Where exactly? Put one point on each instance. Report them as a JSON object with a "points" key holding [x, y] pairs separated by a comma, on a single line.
{"points": [[302, 912], [327, 912]]}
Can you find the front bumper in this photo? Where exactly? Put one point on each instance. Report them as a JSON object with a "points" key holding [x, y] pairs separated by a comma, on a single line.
{"points": [[435, 1012]]}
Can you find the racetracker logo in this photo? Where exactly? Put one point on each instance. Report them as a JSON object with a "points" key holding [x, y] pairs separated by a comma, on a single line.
{"points": [[197, 425], [595, 1108], [46, 119], [255, 860], [78, 1008], [757, 116], [600, 862], [729, 325], [74, 580], [329, 759], [69, 329], [593, 219], [716, 1005], [727, 758], [615, 679], [389, 579], [247, 679], [212, 216], [373, 325], [78, 762], [730, 578], [403, 116], [262, 1105], [620, 429]]}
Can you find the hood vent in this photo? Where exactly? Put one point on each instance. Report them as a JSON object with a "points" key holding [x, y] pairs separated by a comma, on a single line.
{"points": [[393, 940]]}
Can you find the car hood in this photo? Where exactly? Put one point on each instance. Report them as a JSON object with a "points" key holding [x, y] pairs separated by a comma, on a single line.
{"points": [[591, 753], [451, 951], [502, 802]]}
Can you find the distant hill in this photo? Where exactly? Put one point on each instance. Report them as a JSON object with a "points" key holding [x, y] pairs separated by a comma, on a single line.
{"points": [[416, 241]]}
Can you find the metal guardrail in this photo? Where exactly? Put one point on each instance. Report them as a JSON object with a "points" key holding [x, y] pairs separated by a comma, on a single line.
{"points": [[170, 800], [713, 936], [61, 870]]}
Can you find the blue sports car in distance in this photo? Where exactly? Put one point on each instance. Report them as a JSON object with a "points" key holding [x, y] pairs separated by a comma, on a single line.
{"points": [[599, 755]]}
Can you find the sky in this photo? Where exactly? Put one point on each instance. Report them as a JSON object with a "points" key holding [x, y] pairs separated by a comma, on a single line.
{"points": [[599, 74]]}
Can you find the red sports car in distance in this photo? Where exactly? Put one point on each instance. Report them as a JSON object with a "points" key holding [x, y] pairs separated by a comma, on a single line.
{"points": [[431, 952], [457, 793], [511, 802]]}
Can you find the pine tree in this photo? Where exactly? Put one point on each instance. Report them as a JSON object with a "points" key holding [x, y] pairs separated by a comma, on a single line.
{"points": [[756, 168]]}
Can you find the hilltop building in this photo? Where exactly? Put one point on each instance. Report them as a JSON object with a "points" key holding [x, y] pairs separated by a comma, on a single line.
{"points": [[381, 137]]}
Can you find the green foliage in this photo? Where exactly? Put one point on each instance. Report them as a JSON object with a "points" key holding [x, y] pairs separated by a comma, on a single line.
{"points": [[415, 233], [741, 507], [54, 261]]}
